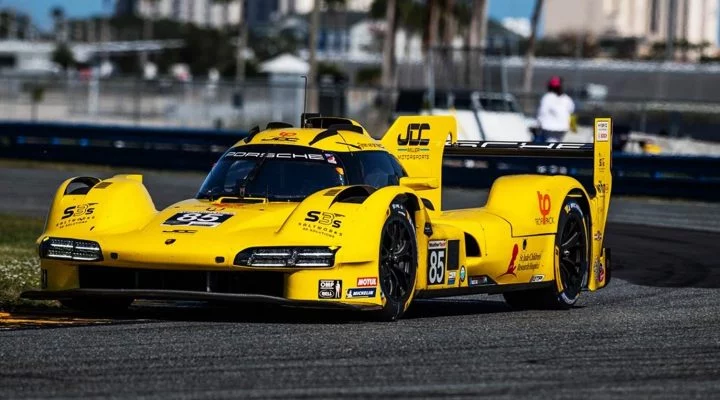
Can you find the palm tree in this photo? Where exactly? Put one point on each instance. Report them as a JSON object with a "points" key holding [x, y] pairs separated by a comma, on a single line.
{"points": [[476, 38], [58, 17], [388, 51], [530, 54], [312, 45], [148, 23]]}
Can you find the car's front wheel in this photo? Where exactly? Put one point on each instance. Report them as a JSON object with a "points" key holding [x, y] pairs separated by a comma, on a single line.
{"points": [[397, 262]]}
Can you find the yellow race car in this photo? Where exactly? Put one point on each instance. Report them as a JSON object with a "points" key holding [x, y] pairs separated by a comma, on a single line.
{"points": [[326, 216]]}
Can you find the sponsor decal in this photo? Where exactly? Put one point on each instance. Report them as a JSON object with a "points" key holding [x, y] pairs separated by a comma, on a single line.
{"points": [[76, 215], [367, 282], [410, 139], [478, 280], [451, 277], [360, 292], [525, 261], [197, 218], [601, 187], [512, 267], [301, 156], [602, 131], [544, 205], [601, 164], [329, 289], [537, 278], [437, 249], [330, 158], [598, 236], [282, 137], [524, 145], [462, 273], [323, 223], [599, 271], [370, 145], [414, 146], [180, 231]]}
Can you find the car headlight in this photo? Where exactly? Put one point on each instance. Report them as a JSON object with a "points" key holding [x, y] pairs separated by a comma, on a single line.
{"points": [[70, 249], [292, 257]]}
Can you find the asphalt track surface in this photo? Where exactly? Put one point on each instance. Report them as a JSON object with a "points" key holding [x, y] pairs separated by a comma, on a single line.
{"points": [[654, 333]]}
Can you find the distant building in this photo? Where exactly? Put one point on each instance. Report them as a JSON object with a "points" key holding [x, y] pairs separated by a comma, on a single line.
{"points": [[208, 13], [695, 21]]}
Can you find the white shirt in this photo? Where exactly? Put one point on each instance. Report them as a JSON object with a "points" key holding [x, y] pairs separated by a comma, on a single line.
{"points": [[554, 112]]}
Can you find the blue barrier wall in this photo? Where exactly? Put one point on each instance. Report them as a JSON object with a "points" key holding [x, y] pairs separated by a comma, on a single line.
{"points": [[198, 149]]}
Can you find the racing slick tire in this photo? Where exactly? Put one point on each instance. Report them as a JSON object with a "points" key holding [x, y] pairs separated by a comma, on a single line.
{"points": [[95, 305], [398, 260], [572, 253]]}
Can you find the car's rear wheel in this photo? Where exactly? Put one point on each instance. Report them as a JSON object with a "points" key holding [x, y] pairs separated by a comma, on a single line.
{"points": [[572, 255], [96, 305], [397, 262]]}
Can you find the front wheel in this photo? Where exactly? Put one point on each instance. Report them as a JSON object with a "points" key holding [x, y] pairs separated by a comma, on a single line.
{"points": [[572, 252], [397, 262]]}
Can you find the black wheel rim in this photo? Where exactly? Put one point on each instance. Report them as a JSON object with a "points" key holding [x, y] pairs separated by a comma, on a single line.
{"points": [[573, 250], [397, 274]]}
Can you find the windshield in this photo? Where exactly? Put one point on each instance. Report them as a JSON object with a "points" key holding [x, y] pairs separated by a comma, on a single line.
{"points": [[278, 173]]}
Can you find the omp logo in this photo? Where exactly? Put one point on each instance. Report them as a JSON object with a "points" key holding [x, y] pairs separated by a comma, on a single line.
{"points": [[512, 267], [410, 139], [76, 211], [544, 205]]}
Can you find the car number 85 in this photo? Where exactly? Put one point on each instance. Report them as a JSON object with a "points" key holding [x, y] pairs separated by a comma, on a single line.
{"points": [[197, 219], [436, 267]]}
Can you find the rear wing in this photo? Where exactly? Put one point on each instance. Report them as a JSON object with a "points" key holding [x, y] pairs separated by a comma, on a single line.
{"points": [[600, 151]]}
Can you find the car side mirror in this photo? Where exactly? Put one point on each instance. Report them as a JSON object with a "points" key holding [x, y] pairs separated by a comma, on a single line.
{"points": [[420, 183]]}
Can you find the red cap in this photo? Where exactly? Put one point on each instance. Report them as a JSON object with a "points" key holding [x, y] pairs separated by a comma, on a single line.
{"points": [[554, 81]]}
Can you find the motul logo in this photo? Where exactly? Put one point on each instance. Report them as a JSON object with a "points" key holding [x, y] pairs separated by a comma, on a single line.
{"points": [[365, 282]]}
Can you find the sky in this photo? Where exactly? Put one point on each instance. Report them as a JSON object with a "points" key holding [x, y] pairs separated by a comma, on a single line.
{"points": [[39, 10]]}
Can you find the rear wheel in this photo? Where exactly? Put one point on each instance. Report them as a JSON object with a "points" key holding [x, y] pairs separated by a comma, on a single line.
{"points": [[571, 254], [397, 263], [96, 305]]}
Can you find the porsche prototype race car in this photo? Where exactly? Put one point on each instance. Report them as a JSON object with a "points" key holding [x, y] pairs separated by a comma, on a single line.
{"points": [[325, 215]]}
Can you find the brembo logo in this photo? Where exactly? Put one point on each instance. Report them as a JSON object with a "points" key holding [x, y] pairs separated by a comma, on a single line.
{"points": [[410, 140], [544, 204]]}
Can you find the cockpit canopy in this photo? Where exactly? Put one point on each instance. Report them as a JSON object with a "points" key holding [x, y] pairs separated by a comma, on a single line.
{"points": [[291, 173]]}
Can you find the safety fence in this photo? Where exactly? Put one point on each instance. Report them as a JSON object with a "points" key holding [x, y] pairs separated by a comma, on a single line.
{"points": [[197, 150]]}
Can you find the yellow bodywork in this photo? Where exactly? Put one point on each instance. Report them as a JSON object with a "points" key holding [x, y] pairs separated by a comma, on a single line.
{"points": [[509, 241]]}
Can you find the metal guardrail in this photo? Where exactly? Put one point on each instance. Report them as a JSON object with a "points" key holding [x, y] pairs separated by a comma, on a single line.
{"points": [[194, 149]]}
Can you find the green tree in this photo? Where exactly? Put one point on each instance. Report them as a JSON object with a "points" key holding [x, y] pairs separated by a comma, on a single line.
{"points": [[63, 56]]}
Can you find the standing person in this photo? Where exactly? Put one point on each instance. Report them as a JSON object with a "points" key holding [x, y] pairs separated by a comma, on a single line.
{"points": [[554, 114]]}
